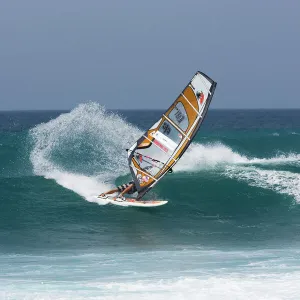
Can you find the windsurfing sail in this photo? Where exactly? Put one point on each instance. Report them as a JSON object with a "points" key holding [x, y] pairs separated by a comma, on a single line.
{"points": [[160, 148]]}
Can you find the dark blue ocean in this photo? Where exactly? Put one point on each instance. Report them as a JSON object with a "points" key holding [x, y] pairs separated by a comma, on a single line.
{"points": [[231, 228]]}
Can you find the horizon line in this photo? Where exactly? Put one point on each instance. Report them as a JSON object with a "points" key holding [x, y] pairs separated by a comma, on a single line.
{"points": [[139, 109]]}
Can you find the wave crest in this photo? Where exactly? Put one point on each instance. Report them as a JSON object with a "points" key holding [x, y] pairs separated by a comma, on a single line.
{"points": [[83, 150], [199, 157]]}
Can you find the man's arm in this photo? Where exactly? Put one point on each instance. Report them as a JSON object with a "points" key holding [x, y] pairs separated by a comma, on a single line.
{"points": [[109, 192]]}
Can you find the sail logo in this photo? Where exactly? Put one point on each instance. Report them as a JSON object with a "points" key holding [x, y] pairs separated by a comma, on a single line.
{"points": [[142, 179], [166, 128], [179, 115], [200, 97], [145, 178], [139, 157], [161, 146]]}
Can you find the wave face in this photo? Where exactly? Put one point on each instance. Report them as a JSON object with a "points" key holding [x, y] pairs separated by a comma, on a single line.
{"points": [[239, 182]]}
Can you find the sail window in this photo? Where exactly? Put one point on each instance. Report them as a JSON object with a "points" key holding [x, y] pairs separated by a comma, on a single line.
{"points": [[171, 132], [179, 116]]}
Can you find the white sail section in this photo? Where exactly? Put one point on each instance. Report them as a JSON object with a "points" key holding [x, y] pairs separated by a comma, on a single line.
{"points": [[159, 149]]}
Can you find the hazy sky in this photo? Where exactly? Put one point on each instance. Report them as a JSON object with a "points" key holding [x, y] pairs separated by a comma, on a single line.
{"points": [[140, 54]]}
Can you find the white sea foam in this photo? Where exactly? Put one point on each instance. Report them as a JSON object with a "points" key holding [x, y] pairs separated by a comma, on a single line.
{"points": [[106, 136], [275, 134], [216, 155], [86, 186], [199, 157], [188, 274], [265, 286], [283, 182]]}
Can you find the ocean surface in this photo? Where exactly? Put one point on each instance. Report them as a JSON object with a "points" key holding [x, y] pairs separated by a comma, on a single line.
{"points": [[231, 229]]}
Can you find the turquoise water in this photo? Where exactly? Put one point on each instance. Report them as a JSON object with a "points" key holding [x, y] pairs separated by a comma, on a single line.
{"points": [[230, 229]]}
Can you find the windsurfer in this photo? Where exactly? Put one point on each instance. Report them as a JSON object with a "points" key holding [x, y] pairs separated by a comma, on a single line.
{"points": [[127, 188]]}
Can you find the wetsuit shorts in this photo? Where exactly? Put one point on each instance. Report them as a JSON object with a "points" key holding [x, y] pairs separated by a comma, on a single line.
{"points": [[122, 187]]}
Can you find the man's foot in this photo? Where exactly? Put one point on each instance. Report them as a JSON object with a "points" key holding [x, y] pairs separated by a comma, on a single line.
{"points": [[103, 195]]}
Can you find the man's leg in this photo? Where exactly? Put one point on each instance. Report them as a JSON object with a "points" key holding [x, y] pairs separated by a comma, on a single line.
{"points": [[125, 191]]}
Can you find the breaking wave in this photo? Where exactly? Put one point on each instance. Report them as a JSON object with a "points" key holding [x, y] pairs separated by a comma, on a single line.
{"points": [[84, 151]]}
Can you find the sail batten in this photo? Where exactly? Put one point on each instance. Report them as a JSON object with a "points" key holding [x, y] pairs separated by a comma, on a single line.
{"points": [[197, 112], [167, 140]]}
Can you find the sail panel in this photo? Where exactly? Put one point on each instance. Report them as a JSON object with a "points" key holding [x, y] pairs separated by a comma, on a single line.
{"points": [[164, 143], [179, 116]]}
